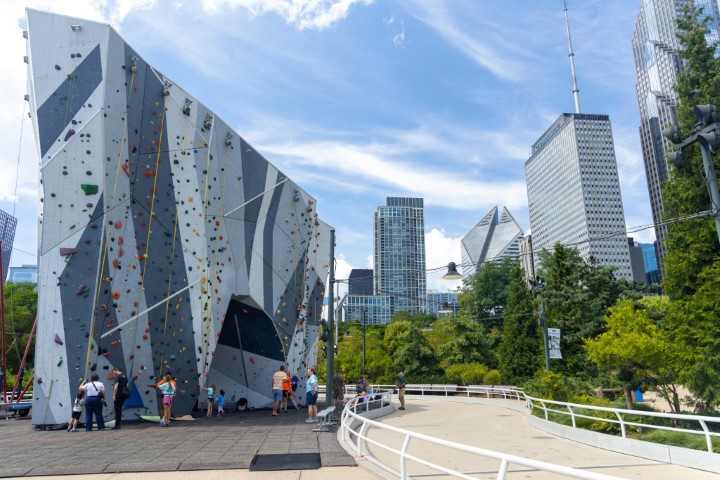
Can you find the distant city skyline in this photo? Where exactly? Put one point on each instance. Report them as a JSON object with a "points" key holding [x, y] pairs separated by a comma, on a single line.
{"points": [[361, 100]]}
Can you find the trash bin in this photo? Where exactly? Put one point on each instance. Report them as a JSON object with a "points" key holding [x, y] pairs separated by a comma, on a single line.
{"points": [[639, 395]]}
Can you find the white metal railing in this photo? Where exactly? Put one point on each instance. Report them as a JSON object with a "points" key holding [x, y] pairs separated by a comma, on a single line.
{"points": [[706, 424], [575, 411], [355, 432]]}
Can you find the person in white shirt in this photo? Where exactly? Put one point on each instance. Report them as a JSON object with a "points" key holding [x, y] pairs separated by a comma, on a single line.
{"points": [[94, 399]]}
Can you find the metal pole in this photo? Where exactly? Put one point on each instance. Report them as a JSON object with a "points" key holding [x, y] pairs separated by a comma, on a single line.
{"points": [[330, 344], [363, 325], [2, 327], [712, 184], [18, 379], [543, 319]]}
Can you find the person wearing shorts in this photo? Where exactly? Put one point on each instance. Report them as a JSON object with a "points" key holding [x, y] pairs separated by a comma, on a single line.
{"points": [[278, 387], [168, 390], [311, 392]]}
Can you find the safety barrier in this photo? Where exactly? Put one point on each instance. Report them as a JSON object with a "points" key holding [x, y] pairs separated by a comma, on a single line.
{"points": [[707, 426], [355, 432]]}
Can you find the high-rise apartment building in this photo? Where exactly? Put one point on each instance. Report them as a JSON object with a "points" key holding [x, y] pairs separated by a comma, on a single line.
{"points": [[574, 191], [443, 304], [492, 239], [657, 65], [527, 257], [399, 254]]}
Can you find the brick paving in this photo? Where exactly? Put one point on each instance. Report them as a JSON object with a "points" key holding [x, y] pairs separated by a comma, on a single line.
{"points": [[219, 443]]}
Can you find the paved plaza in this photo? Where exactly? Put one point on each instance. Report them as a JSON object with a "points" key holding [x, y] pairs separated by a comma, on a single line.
{"points": [[219, 443]]}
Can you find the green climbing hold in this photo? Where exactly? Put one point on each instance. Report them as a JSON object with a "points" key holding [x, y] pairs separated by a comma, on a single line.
{"points": [[59, 363], [89, 189], [57, 67]]}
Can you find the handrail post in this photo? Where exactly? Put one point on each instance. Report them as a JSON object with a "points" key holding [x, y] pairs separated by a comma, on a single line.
{"points": [[708, 438], [622, 423], [361, 434], [403, 460], [572, 415], [544, 409], [503, 469]]}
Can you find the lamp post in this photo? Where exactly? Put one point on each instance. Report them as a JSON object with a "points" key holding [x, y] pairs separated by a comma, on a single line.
{"points": [[364, 322], [538, 286], [330, 345], [707, 134]]}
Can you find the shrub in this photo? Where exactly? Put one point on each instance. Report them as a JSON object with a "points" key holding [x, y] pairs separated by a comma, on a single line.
{"points": [[473, 374], [492, 378]]}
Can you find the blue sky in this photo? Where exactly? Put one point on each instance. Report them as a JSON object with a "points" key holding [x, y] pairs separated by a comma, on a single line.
{"points": [[359, 100]]}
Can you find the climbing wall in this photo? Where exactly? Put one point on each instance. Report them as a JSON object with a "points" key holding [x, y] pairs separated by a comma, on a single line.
{"points": [[167, 243]]}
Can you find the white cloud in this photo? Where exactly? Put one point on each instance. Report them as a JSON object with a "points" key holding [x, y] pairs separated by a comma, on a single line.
{"points": [[399, 37], [464, 36], [438, 186], [301, 14], [439, 251]]}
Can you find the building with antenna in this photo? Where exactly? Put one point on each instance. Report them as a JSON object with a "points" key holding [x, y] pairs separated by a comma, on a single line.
{"points": [[657, 65], [573, 187]]}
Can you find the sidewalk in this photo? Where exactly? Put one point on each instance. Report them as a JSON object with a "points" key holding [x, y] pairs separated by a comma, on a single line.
{"points": [[502, 430], [212, 445]]}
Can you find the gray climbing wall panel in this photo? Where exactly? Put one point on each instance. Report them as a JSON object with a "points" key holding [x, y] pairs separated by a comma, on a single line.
{"points": [[158, 223]]}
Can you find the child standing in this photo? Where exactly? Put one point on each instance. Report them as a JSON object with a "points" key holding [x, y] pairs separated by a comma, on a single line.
{"points": [[210, 398], [76, 411], [221, 402]]}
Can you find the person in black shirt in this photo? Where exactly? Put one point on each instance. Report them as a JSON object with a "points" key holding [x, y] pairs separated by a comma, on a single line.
{"points": [[119, 395]]}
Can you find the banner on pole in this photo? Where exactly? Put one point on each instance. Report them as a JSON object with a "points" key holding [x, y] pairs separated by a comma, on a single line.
{"points": [[554, 342]]}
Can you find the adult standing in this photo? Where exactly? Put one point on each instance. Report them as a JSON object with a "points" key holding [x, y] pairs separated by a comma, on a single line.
{"points": [[278, 386], [311, 392], [94, 399], [338, 385], [400, 384], [119, 395]]}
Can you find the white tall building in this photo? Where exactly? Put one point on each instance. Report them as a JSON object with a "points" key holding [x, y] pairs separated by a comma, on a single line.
{"points": [[574, 191], [492, 239]]}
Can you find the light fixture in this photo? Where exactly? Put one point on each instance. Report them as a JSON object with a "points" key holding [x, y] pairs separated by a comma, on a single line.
{"points": [[710, 139], [75, 28], [707, 114], [166, 88], [452, 273], [228, 139], [186, 107], [672, 133], [133, 67], [208, 121]]}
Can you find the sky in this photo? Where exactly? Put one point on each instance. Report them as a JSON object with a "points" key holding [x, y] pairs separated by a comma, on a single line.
{"points": [[358, 100]]}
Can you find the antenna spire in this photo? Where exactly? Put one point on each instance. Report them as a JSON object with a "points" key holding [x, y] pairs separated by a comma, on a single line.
{"points": [[571, 55]]}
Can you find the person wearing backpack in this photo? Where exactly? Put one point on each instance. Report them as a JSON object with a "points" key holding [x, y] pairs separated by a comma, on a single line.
{"points": [[121, 392]]}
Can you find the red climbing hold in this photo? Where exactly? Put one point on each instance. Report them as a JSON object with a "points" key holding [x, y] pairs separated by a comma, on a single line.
{"points": [[118, 225], [115, 294]]}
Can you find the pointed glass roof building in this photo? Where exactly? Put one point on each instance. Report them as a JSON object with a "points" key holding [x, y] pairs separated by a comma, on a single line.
{"points": [[493, 238]]}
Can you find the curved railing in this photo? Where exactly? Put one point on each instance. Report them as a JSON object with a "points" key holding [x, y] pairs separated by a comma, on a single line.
{"points": [[575, 411], [355, 431], [707, 426]]}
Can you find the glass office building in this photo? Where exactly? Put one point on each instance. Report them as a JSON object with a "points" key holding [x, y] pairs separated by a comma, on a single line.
{"points": [[494, 238], [657, 65], [652, 272], [399, 254], [24, 273], [7, 237], [443, 304], [574, 191], [369, 309]]}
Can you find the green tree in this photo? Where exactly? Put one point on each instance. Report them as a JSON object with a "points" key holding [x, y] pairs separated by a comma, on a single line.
{"points": [[693, 253], [20, 312], [410, 351], [520, 349], [636, 346], [577, 296], [468, 343], [378, 364]]}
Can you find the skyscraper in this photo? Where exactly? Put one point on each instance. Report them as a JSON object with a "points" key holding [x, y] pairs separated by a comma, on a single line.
{"points": [[574, 191], [360, 281], [7, 237], [657, 65], [399, 254], [492, 239]]}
